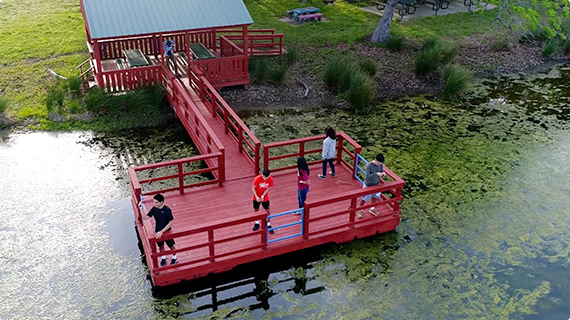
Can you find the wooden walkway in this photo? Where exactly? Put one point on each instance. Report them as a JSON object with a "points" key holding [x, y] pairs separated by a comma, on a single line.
{"points": [[213, 219]]}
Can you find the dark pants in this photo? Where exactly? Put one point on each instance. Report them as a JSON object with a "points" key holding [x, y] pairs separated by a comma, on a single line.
{"points": [[329, 161], [302, 197]]}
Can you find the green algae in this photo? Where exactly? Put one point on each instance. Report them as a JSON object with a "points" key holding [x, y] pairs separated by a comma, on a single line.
{"points": [[483, 204]]}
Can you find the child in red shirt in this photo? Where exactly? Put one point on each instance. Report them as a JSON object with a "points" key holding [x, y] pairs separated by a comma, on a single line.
{"points": [[260, 189]]}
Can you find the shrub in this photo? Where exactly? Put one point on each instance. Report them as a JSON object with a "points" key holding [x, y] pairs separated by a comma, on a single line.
{"points": [[277, 74], [396, 42], [74, 107], [456, 78], [549, 48], [259, 68], [137, 101], [292, 55], [73, 86], [97, 100], [333, 70], [433, 54], [3, 104], [500, 44], [360, 92], [54, 98], [566, 46], [346, 76], [368, 66]]}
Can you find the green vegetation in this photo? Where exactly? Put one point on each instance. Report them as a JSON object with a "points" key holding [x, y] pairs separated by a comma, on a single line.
{"points": [[456, 79], [434, 53], [3, 104], [396, 42], [500, 44], [352, 78], [549, 48]]}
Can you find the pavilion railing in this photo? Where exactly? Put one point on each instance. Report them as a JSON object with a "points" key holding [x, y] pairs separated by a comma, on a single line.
{"points": [[128, 79]]}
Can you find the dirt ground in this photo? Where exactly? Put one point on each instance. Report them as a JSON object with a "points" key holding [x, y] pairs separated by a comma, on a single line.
{"points": [[395, 76]]}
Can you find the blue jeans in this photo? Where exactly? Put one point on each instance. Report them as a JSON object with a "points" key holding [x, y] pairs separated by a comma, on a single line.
{"points": [[302, 197], [329, 161]]}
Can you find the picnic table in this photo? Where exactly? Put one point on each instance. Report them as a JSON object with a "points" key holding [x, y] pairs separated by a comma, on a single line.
{"points": [[301, 11], [200, 52], [135, 58]]}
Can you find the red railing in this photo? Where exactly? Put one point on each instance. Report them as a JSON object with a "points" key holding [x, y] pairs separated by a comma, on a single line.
{"points": [[233, 124], [192, 119], [343, 152], [113, 49], [225, 70], [128, 79], [391, 197], [207, 231], [260, 42], [228, 48]]}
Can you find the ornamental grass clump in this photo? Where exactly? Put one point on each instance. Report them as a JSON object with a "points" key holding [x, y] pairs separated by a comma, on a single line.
{"points": [[549, 48], [396, 42], [434, 53], [456, 79], [3, 104], [334, 70], [360, 92], [266, 69]]}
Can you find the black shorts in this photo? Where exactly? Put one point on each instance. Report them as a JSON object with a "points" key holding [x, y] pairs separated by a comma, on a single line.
{"points": [[170, 243], [264, 204]]}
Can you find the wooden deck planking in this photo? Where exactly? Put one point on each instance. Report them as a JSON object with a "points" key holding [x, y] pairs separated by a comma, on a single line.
{"points": [[235, 199]]}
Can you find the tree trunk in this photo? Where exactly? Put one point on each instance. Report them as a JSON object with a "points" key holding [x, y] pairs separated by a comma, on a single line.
{"points": [[382, 32]]}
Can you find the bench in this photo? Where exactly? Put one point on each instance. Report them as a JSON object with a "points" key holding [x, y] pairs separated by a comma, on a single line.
{"points": [[328, 1], [290, 14], [311, 17], [438, 4], [402, 10]]}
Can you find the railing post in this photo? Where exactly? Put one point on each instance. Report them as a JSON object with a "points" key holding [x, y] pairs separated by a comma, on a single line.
{"points": [[264, 232], [352, 212], [226, 120], [181, 178], [306, 222], [222, 167], [265, 157], [340, 142], [302, 149], [354, 167], [153, 255], [240, 139], [211, 245], [257, 157]]}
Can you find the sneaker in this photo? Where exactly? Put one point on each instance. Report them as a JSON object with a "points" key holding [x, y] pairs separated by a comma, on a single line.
{"points": [[373, 212], [270, 231], [173, 261], [322, 177], [162, 262], [256, 227], [359, 214], [332, 174]]}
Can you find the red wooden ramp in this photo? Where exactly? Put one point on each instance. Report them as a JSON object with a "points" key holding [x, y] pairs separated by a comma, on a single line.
{"points": [[213, 215]]}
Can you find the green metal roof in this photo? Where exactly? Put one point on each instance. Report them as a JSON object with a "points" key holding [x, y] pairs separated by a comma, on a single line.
{"points": [[115, 18]]}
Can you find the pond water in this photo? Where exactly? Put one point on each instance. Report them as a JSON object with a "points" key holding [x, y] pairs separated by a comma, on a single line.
{"points": [[485, 231]]}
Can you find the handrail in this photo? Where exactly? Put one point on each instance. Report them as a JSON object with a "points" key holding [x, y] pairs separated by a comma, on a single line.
{"points": [[82, 64], [211, 243], [137, 183], [232, 123], [394, 187], [341, 150], [185, 106]]}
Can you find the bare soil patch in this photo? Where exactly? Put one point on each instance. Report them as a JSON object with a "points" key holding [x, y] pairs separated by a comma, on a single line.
{"points": [[395, 77]]}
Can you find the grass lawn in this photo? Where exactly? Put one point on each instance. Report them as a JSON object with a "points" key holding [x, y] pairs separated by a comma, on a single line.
{"points": [[37, 35]]}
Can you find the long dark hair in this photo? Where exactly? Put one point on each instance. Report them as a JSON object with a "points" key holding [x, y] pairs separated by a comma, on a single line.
{"points": [[330, 133], [302, 165]]}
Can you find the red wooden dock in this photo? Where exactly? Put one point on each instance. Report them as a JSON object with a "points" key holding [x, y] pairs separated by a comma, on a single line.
{"points": [[213, 215]]}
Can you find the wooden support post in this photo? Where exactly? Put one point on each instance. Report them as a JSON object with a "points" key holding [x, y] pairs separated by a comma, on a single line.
{"points": [[306, 222], [211, 245], [181, 178]]}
